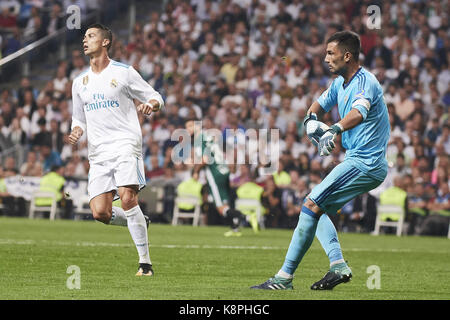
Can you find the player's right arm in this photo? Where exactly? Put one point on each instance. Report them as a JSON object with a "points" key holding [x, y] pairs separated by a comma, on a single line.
{"points": [[78, 117], [326, 101], [75, 135], [316, 109], [315, 129]]}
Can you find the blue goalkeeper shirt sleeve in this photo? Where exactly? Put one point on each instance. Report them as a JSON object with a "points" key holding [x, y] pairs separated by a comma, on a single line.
{"points": [[328, 98]]}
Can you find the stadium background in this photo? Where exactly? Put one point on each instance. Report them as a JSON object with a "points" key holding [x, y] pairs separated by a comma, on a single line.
{"points": [[234, 64]]}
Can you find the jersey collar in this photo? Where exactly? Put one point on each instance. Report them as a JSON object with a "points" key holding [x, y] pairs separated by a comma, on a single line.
{"points": [[356, 73]]}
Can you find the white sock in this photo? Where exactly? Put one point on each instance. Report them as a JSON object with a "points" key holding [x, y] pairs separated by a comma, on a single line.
{"points": [[285, 275], [337, 262], [118, 217], [138, 231]]}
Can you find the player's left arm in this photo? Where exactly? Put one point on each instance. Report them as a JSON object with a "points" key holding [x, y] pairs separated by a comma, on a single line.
{"points": [[360, 108], [139, 89], [351, 120]]}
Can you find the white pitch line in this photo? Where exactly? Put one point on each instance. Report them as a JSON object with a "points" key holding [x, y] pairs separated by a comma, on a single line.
{"points": [[188, 246]]}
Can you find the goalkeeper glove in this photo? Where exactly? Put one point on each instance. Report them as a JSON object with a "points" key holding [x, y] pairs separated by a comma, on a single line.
{"points": [[309, 116], [314, 129], [326, 142]]}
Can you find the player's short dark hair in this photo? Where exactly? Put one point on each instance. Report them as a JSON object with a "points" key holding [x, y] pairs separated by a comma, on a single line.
{"points": [[347, 41], [106, 32]]}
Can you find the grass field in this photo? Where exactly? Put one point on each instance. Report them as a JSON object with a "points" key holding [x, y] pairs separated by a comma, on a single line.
{"points": [[200, 263]]}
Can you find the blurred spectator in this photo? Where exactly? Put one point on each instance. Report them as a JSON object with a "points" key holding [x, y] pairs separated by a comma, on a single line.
{"points": [[7, 112], [12, 42], [154, 171], [444, 138], [75, 167], [364, 213], [10, 167], [78, 65], [281, 177], [49, 158], [32, 167], [379, 50], [59, 82], [56, 136], [43, 135], [417, 208], [34, 27], [242, 177], [55, 19], [7, 18], [292, 199], [16, 135], [438, 221], [271, 200]]}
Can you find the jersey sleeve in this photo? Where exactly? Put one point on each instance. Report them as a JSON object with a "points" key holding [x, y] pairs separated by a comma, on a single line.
{"points": [[139, 89], [329, 97], [365, 96], [78, 116]]}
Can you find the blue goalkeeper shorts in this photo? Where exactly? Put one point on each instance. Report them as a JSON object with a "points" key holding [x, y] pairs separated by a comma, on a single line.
{"points": [[344, 183]]}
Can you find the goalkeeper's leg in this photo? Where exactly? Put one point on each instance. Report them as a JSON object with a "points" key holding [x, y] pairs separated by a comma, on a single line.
{"points": [[339, 271]]}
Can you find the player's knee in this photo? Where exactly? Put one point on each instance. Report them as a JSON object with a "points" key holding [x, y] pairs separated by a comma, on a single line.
{"points": [[313, 207], [129, 201], [102, 215]]}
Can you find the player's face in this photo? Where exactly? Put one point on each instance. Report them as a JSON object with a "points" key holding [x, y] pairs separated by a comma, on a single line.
{"points": [[92, 41], [335, 58]]}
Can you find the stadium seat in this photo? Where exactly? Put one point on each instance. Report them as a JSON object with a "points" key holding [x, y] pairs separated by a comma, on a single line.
{"points": [[195, 201], [152, 197], [392, 210], [81, 207], [52, 208], [251, 207]]}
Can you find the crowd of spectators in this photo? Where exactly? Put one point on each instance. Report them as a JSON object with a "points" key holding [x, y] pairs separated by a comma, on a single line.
{"points": [[25, 21], [258, 64]]}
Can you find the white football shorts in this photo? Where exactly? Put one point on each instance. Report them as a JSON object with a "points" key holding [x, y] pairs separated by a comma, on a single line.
{"points": [[109, 175]]}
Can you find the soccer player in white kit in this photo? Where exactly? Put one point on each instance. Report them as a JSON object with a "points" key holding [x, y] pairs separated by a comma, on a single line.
{"points": [[103, 107]]}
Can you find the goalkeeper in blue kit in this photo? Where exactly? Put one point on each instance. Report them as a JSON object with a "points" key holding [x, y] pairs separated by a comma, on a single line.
{"points": [[364, 129]]}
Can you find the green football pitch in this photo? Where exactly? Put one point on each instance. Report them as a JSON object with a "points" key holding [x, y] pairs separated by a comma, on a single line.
{"points": [[37, 259]]}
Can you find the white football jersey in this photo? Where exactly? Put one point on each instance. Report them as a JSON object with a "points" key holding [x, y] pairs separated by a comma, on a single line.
{"points": [[103, 107]]}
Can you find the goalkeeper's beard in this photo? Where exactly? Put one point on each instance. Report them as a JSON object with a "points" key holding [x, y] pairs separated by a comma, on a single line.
{"points": [[342, 71]]}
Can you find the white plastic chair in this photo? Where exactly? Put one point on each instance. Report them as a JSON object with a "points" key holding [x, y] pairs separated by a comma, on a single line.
{"points": [[390, 209], [35, 208], [195, 201], [79, 207]]}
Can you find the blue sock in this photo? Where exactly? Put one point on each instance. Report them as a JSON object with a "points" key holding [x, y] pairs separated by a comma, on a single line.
{"points": [[301, 240], [327, 235]]}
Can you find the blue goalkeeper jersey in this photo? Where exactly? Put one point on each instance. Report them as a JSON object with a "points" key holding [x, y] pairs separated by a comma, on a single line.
{"points": [[367, 142]]}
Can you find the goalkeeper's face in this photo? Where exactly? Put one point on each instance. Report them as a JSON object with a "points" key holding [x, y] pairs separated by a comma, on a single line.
{"points": [[336, 59]]}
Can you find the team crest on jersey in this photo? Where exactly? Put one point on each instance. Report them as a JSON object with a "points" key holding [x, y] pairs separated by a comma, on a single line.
{"points": [[85, 80], [114, 83], [360, 94]]}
